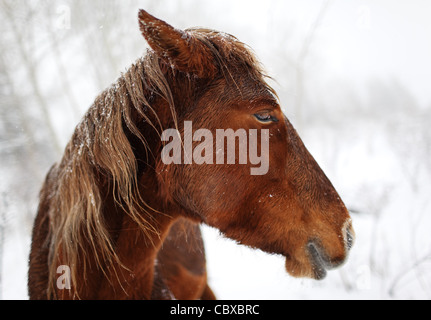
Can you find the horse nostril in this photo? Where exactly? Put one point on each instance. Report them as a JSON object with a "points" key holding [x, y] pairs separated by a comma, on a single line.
{"points": [[350, 238]]}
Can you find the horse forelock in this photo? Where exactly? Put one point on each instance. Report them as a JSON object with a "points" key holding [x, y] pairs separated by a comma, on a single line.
{"points": [[233, 58]]}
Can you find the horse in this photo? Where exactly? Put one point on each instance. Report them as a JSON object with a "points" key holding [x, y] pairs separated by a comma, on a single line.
{"points": [[114, 221]]}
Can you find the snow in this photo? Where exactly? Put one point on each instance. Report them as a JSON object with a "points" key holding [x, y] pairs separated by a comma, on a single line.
{"points": [[366, 108]]}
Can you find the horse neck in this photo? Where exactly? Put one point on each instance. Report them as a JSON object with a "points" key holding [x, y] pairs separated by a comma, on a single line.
{"points": [[136, 248]]}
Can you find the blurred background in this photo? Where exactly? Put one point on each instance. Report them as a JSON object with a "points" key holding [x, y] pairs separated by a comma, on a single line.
{"points": [[354, 77]]}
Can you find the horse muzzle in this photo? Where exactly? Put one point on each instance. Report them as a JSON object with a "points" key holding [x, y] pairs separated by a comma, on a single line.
{"points": [[321, 261]]}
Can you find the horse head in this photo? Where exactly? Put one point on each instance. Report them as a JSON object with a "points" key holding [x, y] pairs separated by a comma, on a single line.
{"points": [[291, 208]]}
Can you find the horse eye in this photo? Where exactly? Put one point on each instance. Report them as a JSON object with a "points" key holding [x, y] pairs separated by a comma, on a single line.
{"points": [[265, 117]]}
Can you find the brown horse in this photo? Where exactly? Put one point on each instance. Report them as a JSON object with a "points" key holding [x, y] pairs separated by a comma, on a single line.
{"points": [[116, 222]]}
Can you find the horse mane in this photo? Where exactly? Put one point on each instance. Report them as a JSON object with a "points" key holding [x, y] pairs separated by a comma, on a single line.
{"points": [[99, 160]]}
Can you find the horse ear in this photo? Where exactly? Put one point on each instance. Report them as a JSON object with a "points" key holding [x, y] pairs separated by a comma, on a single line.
{"points": [[178, 47]]}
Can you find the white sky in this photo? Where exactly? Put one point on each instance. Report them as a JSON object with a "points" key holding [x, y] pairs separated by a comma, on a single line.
{"points": [[358, 39], [381, 39]]}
